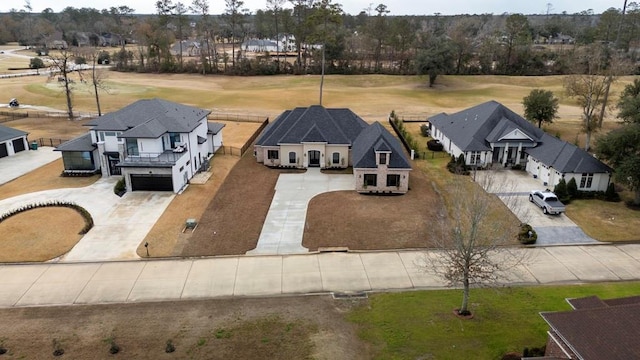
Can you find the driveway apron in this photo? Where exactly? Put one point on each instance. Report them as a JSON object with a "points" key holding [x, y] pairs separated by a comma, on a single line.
{"points": [[24, 162], [284, 226]]}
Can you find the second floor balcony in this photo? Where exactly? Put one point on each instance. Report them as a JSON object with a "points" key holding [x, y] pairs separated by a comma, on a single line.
{"points": [[150, 159]]}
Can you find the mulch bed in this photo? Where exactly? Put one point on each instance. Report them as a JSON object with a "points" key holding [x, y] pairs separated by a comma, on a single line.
{"points": [[232, 223]]}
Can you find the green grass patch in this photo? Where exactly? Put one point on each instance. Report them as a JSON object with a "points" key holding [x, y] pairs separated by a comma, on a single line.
{"points": [[421, 325]]}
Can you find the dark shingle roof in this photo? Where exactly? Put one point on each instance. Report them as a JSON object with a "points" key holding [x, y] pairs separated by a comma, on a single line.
{"points": [[150, 118], [81, 143], [313, 124], [376, 137], [214, 127], [608, 332], [7, 133], [566, 157], [473, 128]]}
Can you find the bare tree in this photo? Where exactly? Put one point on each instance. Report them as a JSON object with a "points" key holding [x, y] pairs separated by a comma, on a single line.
{"points": [[202, 7], [475, 245], [588, 87], [98, 75], [62, 64], [276, 6]]}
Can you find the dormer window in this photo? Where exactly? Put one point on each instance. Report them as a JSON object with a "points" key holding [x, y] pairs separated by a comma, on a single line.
{"points": [[383, 157]]}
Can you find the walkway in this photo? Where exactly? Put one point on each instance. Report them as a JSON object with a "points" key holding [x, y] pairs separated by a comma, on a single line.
{"points": [[284, 226], [181, 279]]}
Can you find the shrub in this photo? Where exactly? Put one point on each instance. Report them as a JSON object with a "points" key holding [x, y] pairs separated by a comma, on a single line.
{"points": [[170, 347], [526, 235], [516, 167], [561, 191], [611, 194], [120, 187], [88, 220], [80, 60], [458, 166], [572, 189], [36, 63]]}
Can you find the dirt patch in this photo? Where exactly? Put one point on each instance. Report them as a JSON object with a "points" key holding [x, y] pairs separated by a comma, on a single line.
{"points": [[232, 222], [277, 328], [371, 222], [39, 234]]}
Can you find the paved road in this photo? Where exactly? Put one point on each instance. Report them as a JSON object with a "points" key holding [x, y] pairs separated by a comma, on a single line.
{"points": [[156, 280], [284, 226]]}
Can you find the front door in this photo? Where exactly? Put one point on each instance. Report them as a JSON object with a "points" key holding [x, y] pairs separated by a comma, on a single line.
{"points": [[314, 158], [114, 159]]}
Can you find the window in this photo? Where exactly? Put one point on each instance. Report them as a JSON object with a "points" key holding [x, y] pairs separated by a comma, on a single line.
{"points": [[336, 158], [272, 154], [383, 158], [475, 158], [292, 157], [586, 180], [370, 180], [101, 135], [132, 147], [173, 139], [393, 180]]}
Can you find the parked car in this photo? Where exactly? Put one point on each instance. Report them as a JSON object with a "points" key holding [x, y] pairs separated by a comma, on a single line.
{"points": [[548, 201], [14, 103]]}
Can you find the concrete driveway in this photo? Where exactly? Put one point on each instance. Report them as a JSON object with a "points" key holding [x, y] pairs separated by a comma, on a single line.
{"points": [[284, 226], [513, 188], [120, 223], [26, 161]]}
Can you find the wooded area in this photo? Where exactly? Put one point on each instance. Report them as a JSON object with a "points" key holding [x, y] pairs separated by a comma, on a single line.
{"points": [[370, 42]]}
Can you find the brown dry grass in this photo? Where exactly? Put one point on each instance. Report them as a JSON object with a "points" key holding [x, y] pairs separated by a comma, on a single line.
{"points": [[276, 328], [370, 222], [55, 128], [46, 177], [39, 234], [606, 221]]}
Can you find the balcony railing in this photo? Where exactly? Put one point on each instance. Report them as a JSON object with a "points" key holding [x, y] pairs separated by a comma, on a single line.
{"points": [[168, 157]]}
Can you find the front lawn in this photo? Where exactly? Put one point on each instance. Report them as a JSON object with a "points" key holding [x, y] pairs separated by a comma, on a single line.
{"points": [[421, 325], [606, 221]]}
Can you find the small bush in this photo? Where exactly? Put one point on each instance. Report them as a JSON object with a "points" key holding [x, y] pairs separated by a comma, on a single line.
{"points": [[611, 194], [424, 130], [572, 189], [458, 166], [120, 187], [516, 167], [526, 235], [170, 347], [561, 191]]}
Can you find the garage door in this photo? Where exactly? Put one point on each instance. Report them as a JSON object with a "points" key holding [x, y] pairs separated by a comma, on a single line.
{"points": [[18, 145], [151, 182], [3, 150]]}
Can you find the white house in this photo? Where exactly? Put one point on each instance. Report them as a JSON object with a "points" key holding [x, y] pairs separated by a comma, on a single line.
{"points": [[491, 134], [154, 144]]}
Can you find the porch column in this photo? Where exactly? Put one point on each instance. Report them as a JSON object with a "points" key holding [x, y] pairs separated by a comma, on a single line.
{"points": [[505, 154], [519, 153]]}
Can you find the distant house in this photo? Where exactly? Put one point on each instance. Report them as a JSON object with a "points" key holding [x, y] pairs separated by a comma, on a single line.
{"points": [[12, 141], [258, 45], [191, 48], [154, 144], [596, 329], [490, 134], [336, 138]]}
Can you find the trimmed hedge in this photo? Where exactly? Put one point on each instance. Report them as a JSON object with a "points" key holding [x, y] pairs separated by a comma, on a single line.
{"points": [[88, 220]]}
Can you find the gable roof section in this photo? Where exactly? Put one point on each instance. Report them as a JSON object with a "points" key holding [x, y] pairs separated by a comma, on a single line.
{"points": [[313, 124], [606, 332], [376, 137], [474, 128], [7, 133], [150, 118], [81, 143], [566, 157]]}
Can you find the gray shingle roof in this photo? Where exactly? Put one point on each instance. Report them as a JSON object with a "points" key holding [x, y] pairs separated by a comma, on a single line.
{"points": [[214, 127], [81, 143], [566, 157], [7, 133], [473, 128], [150, 118], [313, 124], [376, 137]]}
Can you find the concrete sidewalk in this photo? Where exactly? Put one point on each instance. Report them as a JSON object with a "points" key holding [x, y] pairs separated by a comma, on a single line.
{"points": [[284, 226], [160, 280]]}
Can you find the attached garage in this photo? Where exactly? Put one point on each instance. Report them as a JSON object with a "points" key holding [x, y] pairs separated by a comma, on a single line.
{"points": [[18, 145], [151, 182], [3, 150]]}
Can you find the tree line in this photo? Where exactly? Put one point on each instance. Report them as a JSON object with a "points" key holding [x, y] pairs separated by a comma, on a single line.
{"points": [[372, 41]]}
